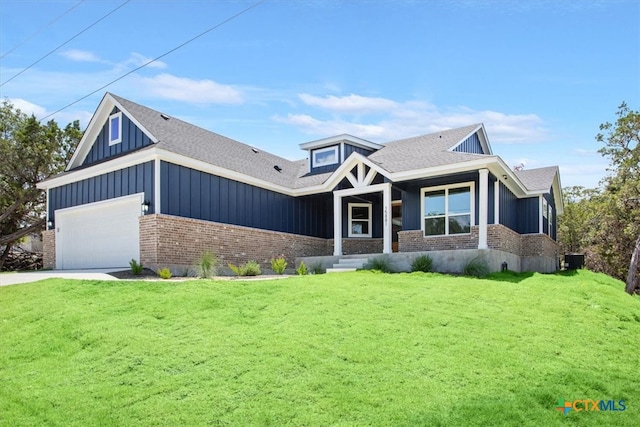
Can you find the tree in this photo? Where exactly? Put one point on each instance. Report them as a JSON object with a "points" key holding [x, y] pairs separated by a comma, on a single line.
{"points": [[30, 152], [574, 223], [618, 236]]}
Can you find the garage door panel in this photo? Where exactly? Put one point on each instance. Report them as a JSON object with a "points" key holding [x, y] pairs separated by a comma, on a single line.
{"points": [[99, 235]]}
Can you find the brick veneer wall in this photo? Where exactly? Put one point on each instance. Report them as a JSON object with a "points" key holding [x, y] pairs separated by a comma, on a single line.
{"points": [[49, 249], [539, 245], [504, 239], [173, 241], [360, 246], [414, 241]]}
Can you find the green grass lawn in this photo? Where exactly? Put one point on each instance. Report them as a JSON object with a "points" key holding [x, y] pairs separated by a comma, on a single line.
{"points": [[349, 349]]}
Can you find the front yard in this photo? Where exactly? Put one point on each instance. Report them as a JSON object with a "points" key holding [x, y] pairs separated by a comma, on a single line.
{"points": [[360, 348]]}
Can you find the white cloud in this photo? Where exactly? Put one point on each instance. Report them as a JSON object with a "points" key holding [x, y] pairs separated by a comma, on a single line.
{"points": [[194, 91], [138, 59], [81, 55], [355, 104], [393, 120], [28, 108]]}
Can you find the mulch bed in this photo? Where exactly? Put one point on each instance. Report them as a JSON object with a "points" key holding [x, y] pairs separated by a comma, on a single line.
{"points": [[127, 274]]}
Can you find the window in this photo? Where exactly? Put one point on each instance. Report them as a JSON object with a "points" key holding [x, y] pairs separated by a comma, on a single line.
{"points": [[448, 209], [550, 230], [115, 128], [544, 208], [325, 156], [359, 220]]}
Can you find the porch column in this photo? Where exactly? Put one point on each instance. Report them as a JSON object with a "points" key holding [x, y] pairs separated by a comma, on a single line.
{"points": [[386, 227], [337, 224], [483, 211]]}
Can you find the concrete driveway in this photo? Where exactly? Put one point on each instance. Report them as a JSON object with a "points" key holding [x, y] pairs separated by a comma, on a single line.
{"points": [[34, 276]]}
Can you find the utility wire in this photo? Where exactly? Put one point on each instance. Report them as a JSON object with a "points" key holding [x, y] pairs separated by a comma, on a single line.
{"points": [[42, 29], [220, 24], [78, 34]]}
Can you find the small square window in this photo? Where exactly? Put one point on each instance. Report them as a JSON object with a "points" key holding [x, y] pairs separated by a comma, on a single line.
{"points": [[115, 128], [359, 220]]}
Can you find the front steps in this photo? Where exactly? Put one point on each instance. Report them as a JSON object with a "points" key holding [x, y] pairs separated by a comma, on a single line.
{"points": [[348, 264]]}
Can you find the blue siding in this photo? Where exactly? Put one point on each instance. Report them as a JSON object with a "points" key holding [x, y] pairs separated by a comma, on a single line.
{"points": [[553, 216], [328, 168], [508, 208], [528, 212], [132, 139], [132, 180], [348, 149], [193, 194], [470, 145]]}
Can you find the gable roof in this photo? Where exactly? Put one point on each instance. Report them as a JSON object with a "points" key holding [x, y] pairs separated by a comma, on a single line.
{"points": [[426, 151]]}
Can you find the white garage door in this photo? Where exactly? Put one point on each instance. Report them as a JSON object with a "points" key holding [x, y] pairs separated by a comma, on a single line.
{"points": [[98, 235]]}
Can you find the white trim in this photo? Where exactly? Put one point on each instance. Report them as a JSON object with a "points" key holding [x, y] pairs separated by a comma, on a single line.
{"points": [[95, 126], [496, 202], [353, 140], [550, 221], [350, 219], [314, 154], [446, 188], [540, 222], [337, 224], [387, 220], [483, 208], [97, 204], [156, 186], [342, 159], [113, 117]]}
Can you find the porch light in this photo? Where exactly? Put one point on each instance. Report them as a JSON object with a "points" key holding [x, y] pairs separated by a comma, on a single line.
{"points": [[49, 225], [145, 207]]}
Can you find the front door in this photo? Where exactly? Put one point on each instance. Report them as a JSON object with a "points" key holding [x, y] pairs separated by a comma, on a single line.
{"points": [[396, 223]]}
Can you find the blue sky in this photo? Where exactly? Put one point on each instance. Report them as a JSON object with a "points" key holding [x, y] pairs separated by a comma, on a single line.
{"points": [[541, 75]]}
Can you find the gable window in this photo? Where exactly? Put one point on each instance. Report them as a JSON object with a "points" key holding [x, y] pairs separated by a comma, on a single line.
{"points": [[448, 209], [325, 156], [115, 128], [359, 220]]}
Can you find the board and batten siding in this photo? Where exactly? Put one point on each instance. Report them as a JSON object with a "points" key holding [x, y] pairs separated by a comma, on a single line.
{"points": [[132, 139], [470, 145], [194, 194], [123, 182]]}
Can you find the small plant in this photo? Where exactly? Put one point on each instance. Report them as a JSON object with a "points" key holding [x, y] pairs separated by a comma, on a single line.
{"points": [[422, 263], [278, 265], [207, 265], [381, 263], [316, 268], [477, 267], [249, 268], [302, 269], [164, 273], [136, 268]]}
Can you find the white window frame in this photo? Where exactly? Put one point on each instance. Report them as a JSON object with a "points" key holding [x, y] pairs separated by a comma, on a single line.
{"points": [[359, 205], [112, 117], [550, 221], [545, 208], [446, 188], [316, 164]]}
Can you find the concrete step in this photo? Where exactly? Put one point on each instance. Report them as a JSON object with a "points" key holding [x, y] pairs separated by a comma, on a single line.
{"points": [[340, 270]]}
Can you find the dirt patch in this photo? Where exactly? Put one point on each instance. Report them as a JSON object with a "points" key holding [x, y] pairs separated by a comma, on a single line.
{"points": [[127, 274]]}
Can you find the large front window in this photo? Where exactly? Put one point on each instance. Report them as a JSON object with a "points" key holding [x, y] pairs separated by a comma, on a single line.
{"points": [[447, 210], [359, 220]]}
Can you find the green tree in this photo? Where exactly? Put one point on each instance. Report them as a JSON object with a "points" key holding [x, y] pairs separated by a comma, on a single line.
{"points": [[30, 152], [617, 236], [574, 224]]}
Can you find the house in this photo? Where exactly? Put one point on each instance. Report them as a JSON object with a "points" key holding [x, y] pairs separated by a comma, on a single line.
{"points": [[145, 185]]}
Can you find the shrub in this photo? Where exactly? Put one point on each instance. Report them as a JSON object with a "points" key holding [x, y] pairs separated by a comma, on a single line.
{"points": [[381, 263], [207, 265], [477, 267], [278, 265], [164, 273], [249, 268], [422, 263], [302, 269], [316, 268], [135, 267]]}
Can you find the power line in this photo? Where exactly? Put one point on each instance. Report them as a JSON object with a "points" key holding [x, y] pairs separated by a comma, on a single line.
{"points": [[72, 38], [231, 18], [42, 29]]}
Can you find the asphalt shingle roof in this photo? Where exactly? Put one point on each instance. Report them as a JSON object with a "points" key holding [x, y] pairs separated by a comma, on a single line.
{"points": [[419, 152], [538, 179]]}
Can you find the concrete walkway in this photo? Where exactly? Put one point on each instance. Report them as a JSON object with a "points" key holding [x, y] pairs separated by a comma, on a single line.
{"points": [[34, 276]]}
